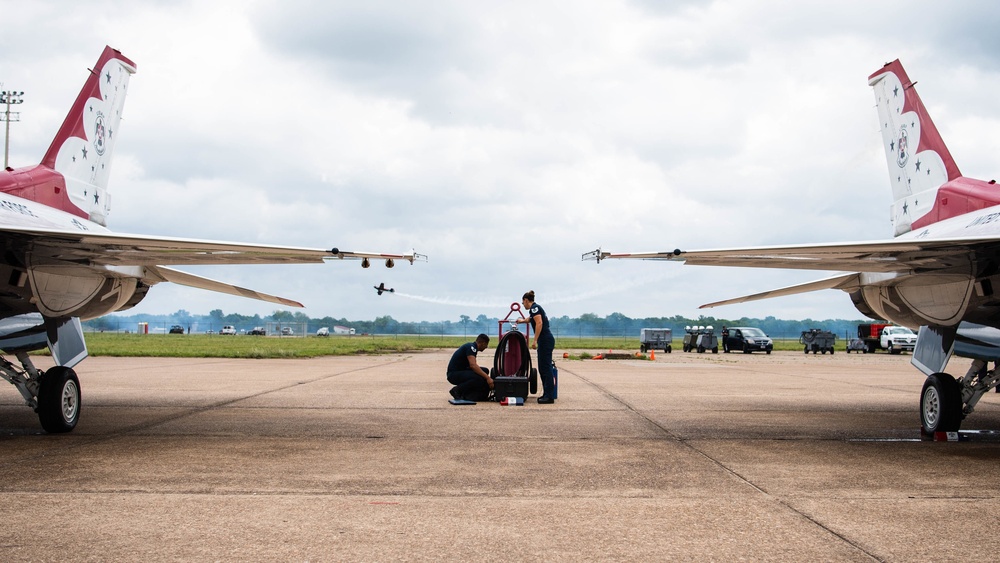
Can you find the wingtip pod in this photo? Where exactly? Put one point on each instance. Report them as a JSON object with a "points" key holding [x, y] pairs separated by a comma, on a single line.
{"points": [[598, 255], [917, 158], [413, 256]]}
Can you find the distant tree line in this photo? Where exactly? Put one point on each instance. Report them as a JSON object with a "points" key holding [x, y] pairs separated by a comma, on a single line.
{"points": [[586, 325]]}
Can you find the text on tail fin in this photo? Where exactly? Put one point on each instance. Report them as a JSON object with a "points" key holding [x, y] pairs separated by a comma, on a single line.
{"points": [[82, 148]]}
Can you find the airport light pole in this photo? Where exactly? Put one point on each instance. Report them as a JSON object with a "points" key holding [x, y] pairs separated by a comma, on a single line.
{"points": [[9, 97]]}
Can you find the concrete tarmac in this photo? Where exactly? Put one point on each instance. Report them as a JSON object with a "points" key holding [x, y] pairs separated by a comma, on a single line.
{"points": [[787, 457]]}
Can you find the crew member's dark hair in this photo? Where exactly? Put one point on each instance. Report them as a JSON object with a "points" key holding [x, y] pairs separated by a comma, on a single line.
{"points": [[483, 338], [530, 296]]}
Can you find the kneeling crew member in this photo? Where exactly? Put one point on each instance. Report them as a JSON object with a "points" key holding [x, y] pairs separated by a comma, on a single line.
{"points": [[471, 382]]}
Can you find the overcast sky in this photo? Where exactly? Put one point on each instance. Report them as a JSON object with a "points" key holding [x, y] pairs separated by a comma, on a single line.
{"points": [[506, 139]]}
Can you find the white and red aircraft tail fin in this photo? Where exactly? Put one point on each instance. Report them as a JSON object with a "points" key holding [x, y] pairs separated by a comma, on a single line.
{"points": [[82, 148], [921, 168]]}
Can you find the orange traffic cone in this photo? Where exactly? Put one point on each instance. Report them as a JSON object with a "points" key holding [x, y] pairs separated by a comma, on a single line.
{"points": [[652, 355]]}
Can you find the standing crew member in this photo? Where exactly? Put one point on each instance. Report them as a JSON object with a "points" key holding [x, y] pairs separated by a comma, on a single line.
{"points": [[544, 342], [725, 339], [471, 382]]}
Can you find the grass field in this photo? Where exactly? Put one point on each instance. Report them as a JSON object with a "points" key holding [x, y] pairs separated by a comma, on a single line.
{"points": [[217, 346]]}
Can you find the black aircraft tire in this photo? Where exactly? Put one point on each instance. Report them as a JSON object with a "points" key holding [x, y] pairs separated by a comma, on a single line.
{"points": [[533, 381], [59, 400], [940, 404]]}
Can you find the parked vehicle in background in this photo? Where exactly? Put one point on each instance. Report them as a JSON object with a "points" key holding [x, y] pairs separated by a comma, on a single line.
{"points": [[325, 331], [257, 331], [287, 331], [749, 339], [883, 336], [895, 339], [228, 329], [655, 339], [176, 329], [817, 340], [700, 338]]}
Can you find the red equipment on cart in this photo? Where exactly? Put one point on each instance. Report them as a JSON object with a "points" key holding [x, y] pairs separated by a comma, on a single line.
{"points": [[512, 373]]}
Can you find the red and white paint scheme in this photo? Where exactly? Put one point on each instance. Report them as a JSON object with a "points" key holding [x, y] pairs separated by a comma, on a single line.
{"points": [[73, 175], [940, 274], [927, 186], [61, 263]]}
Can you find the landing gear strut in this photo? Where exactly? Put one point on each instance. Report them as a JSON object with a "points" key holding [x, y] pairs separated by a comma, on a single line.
{"points": [[54, 394]]}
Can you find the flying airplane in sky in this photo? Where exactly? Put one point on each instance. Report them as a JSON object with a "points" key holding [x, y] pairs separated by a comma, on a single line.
{"points": [[381, 287], [61, 263], [937, 274]]}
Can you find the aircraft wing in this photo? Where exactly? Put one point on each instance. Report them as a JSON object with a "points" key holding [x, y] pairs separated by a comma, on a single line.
{"points": [[164, 274], [846, 282], [898, 255], [89, 249], [49, 246]]}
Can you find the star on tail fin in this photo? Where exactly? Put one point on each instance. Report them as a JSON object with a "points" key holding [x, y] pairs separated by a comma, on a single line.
{"points": [[918, 160], [81, 150]]}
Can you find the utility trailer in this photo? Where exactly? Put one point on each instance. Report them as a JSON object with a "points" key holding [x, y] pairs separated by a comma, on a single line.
{"points": [[655, 339], [817, 340]]}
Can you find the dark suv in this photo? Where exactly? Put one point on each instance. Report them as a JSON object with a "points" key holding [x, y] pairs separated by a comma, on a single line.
{"points": [[748, 339], [177, 329]]}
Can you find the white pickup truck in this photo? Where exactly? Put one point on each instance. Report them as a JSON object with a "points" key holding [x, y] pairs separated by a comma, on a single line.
{"points": [[895, 339], [882, 336]]}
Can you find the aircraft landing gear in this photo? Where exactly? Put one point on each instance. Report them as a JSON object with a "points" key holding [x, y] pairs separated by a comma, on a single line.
{"points": [[940, 404], [946, 401], [59, 400], [54, 394]]}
